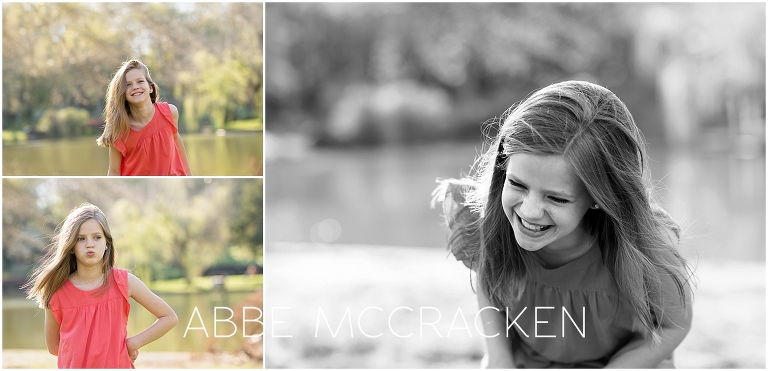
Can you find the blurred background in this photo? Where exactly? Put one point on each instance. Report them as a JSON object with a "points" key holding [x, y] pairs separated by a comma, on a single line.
{"points": [[368, 104], [58, 60], [197, 243]]}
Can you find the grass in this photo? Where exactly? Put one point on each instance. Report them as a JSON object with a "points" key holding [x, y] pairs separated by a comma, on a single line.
{"points": [[727, 330], [8, 136], [40, 359], [204, 284], [249, 125]]}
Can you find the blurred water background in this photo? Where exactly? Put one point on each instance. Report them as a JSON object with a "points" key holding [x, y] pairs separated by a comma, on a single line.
{"points": [[368, 104], [235, 154]]}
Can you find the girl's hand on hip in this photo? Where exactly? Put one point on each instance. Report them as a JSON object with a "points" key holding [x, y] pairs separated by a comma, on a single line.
{"points": [[133, 351]]}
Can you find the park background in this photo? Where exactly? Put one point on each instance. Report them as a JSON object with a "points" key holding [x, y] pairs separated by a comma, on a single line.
{"points": [[368, 104], [197, 243], [58, 59]]}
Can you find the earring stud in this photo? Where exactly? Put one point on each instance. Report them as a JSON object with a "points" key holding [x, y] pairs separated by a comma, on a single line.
{"points": [[596, 206]]}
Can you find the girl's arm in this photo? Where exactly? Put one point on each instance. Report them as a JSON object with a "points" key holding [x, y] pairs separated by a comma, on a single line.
{"points": [[115, 157], [183, 152], [675, 324], [179, 142], [52, 334], [166, 317], [498, 351]]}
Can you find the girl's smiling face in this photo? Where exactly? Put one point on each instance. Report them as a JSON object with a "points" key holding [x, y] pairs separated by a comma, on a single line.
{"points": [[545, 203], [137, 87], [90, 244]]}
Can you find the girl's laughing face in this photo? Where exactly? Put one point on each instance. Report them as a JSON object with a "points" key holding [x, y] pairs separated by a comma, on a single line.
{"points": [[545, 202]]}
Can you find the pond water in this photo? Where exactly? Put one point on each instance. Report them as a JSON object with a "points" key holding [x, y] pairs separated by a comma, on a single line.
{"points": [[381, 196], [235, 154], [23, 323]]}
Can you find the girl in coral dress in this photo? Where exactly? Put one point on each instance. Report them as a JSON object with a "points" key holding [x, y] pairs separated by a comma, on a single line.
{"points": [[141, 132], [86, 298]]}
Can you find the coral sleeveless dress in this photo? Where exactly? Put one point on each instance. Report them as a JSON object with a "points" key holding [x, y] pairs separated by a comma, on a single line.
{"points": [[152, 150], [93, 328]]}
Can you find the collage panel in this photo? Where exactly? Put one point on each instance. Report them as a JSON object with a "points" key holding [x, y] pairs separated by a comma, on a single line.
{"points": [[185, 280], [658, 230], [93, 89], [152, 272]]}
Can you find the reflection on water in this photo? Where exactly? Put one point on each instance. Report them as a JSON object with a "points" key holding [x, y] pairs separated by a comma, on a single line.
{"points": [[26, 331], [238, 154], [381, 197]]}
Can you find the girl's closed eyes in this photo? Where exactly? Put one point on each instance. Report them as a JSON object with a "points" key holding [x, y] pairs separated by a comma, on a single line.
{"points": [[519, 186]]}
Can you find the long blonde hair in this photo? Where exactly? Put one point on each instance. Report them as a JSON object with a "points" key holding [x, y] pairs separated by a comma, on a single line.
{"points": [[117, 111], [59, 261]]}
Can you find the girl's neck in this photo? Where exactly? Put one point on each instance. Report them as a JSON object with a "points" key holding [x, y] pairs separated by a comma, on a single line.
{"points": [[577, 246], [87, 274], [141, 114], [551, 259]]}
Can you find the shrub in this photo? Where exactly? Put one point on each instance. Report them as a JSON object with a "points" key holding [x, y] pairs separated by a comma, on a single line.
{"points": [[68, 121]]}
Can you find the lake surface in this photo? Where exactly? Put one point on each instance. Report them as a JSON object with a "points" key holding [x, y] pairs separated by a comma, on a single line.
{"points": [[23, 323], [381, 196], [235, 154]]}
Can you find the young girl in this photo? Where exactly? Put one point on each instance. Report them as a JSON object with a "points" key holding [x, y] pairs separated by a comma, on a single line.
{"points": [[140, 131], [86, 298], [577, 266]]}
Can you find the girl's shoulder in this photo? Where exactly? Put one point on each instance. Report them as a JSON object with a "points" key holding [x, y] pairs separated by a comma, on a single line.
{"points": [[460, 218], [163, 107], [120, 271]]}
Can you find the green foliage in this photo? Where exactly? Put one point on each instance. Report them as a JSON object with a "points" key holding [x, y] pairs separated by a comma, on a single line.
{"points": [[203, 284], [14, 136], [65, 122], [247, 228], [487, 56], [249, 125], [64, 54], [219, 89]]}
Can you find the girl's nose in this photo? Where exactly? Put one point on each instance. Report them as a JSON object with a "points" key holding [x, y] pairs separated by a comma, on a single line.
{"points": [[531, 209]]}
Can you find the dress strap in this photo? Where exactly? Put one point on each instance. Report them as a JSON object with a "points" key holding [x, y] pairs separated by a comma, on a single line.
{"points": [[120, 277], [165, 110]]}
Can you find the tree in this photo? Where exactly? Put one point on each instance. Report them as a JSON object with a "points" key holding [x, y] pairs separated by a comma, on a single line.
{"points": [[248, 225]]}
